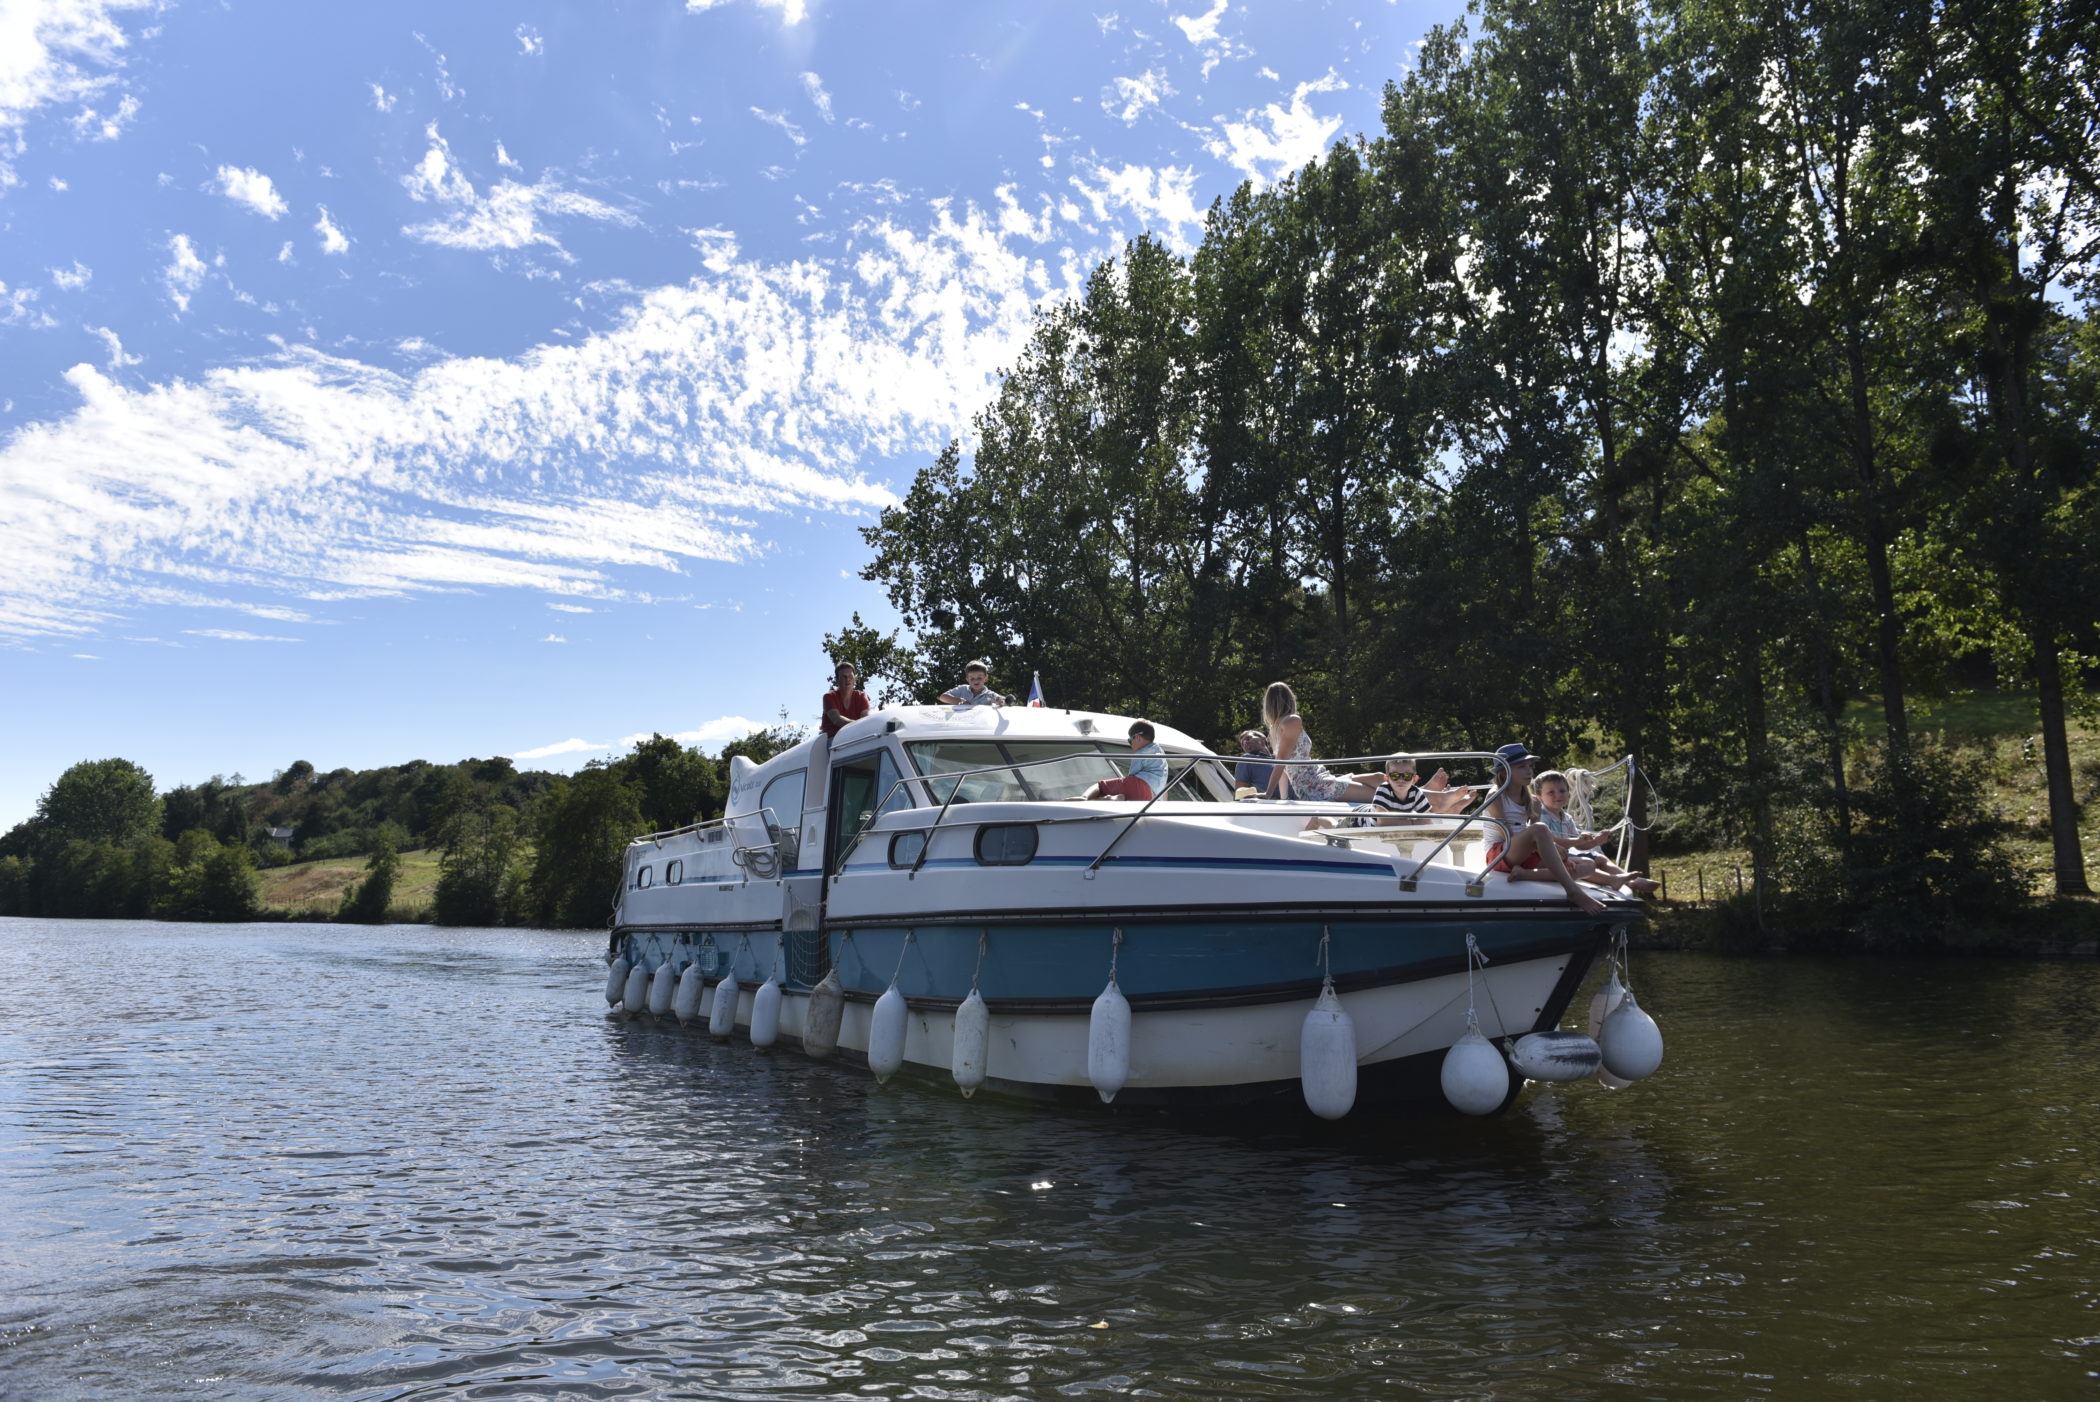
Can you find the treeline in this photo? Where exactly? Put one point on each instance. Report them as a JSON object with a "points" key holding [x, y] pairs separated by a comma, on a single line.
{"points": [[515, 847], [1664, 377]]}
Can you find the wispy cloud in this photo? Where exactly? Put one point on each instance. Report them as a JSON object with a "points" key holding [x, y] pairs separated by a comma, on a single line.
{"points": [[554, 638], [529, 41], [714, 733], [92, 125], [792, 12], [662, 440], [1271, 144], [184, 273], [381, 98], [72, 279], [333, 239], [1163, 198], [245, 185], [117, 359], [780, 120], [814, 86], [1203, 32], [1131, 98], [60, 51], [235, 635], [508, 217]]}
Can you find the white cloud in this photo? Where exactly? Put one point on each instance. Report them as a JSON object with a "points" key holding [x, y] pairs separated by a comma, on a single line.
{"points": [[284, 251], [1131, 98], [507, 217], [1269, 146], [1163, 198], [1203, 32], [780, 120], [184, 273], [247, 186], [381, 98], [792, 12], [19, 308], [57, 51], [559, 747], [529, 41], [718, 248], [570, 608], [814, 86], [235, 635], [91, 125], [664, 439], [719, 731], [332, 238], [554, 638], [503, 159], [59, 185], [117, 359], [72, 279]]}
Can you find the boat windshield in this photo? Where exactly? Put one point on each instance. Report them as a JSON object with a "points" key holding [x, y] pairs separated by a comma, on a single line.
{"points": [[1078, 764]]}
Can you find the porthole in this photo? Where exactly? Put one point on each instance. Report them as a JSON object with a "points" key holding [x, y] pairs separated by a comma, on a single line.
{"points": [[674, 872], [905, 848], [1006, 845], [644, 879]]}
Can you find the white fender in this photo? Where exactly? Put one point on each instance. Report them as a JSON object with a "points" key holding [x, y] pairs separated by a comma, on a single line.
{"points": [[1631, 1042], [686, 1002], [661, 987], [1108, 1043], [1556, 1056], [886, 1035], [721, 1020], [616, 981], [820, 1017], [1327, 1057], [765, 1014], [973, 1041], [636, 995], [1476, 1078], [1601, 1007]]}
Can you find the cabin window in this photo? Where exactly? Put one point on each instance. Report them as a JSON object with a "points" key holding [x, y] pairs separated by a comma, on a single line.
{"points": [[644, 878], [905, 848], [1058, 769], [1006, 844], [674, 873], [783, 802]]}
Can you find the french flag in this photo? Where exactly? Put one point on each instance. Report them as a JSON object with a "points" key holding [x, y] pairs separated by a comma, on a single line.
{"points": [[1035, 690]]}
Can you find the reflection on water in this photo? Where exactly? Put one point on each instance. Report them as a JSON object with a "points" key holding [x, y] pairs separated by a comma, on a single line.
{"points": [[293, 1161]]}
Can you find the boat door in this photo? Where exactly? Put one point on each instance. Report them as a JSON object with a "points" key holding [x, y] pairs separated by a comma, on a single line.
{"points": [[862, 788]]}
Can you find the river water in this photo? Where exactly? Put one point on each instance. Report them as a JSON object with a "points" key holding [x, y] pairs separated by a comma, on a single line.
{"points": [[281, 1162]]}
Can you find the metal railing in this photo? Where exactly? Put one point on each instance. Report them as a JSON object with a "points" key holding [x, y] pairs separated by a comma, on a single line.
{"points": [[739, 854], [1458, 824]]}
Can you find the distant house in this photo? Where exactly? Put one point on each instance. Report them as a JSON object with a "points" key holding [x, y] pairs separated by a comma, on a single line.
{"points": [[283, 835]]}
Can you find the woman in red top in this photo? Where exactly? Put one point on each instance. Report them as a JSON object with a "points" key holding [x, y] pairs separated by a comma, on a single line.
{"points": [[845, 702]]}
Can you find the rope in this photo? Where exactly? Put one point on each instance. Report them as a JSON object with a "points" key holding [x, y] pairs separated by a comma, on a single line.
{"points": [[1326, 969], [1114, 952], [978, 972], [910, 938]]}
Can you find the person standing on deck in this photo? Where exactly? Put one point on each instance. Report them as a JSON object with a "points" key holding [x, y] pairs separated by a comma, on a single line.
{"points": [[845, 702]]}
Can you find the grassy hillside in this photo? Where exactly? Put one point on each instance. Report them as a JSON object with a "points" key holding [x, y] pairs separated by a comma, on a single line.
{"points": [[313, 890]]}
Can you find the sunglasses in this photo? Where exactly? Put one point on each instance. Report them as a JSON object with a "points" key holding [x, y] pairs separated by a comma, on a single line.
{"points": [[1400, 774]]}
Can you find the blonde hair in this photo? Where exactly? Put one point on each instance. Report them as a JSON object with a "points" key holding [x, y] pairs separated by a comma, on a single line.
{"points": [[1276, 703], [1552, 776]]}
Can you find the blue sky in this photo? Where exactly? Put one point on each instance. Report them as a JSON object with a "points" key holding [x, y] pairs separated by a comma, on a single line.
{"points": [[421, 381]]}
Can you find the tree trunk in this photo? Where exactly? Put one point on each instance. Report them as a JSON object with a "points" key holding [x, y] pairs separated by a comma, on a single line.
{"points": [[1887, 629], [2056, 768]]}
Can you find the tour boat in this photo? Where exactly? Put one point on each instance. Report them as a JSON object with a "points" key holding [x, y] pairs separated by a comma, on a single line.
{"points": [[924, 894]]}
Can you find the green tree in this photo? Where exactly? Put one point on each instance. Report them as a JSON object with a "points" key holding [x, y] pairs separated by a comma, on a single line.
{"points": [[106, 800], [366, 903], [581, 828], [675, 785], [476, 872]]}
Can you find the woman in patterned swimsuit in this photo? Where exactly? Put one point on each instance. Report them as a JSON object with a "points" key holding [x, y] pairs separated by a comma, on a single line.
{"points": [[1287, 738]]}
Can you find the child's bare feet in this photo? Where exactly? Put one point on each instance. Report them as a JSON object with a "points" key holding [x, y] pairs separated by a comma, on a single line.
{"points": [[1587, 903], [1646, 885]]}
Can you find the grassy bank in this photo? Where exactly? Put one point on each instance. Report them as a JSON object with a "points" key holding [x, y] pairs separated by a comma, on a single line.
{"points": [[1992, 735]]}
